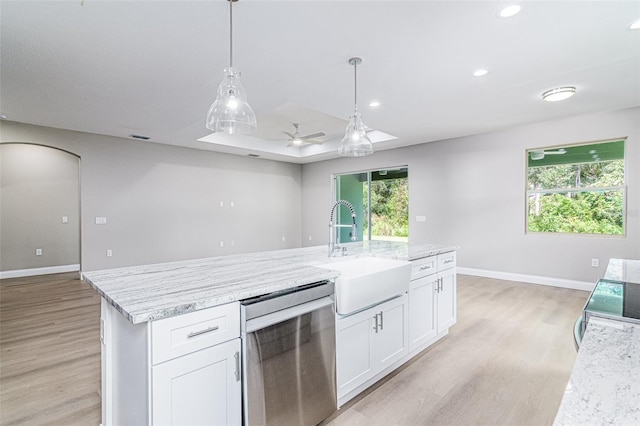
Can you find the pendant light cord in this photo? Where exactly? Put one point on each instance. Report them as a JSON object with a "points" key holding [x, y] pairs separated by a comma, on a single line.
{"points": [[355, 86], [231, 33]]}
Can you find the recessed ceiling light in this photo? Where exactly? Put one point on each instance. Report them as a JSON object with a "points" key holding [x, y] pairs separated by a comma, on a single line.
{"points": [[480, 73], [635, 25], [374, 104], [509, 11], [559, 94]]}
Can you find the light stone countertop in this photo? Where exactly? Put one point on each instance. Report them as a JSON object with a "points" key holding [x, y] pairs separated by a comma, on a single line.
{"points": [[623, 270], [151, 292], [604, 388]]}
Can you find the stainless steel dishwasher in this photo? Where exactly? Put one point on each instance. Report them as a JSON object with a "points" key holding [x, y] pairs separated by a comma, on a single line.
{"points": [[289, 356]]}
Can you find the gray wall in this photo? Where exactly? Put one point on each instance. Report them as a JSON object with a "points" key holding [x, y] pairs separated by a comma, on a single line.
{"points": [[471, 190], [38, 186], [162, 202]]}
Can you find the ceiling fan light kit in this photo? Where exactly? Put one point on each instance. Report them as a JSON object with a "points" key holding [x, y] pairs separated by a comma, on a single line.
{"points": [[297, 140], [230, 112], [559, 93], [355, 142]]}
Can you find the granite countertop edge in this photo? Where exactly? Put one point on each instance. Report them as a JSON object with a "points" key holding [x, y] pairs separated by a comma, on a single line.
{"points": [[152, 292]]}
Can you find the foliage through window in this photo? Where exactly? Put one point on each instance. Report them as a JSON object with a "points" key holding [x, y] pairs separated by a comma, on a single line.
{"points": [[381, 200], [577, 189]]}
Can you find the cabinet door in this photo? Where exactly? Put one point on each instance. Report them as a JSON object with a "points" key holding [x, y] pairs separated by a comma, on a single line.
{"points": [[422, 321], [391, 342], [447, 308], [353, 350], [202, 388]]}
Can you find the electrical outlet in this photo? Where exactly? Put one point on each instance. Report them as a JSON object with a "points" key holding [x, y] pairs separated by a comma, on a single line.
{"points": [[595, 263], [109, 252], [232, 204], [221, 203], [221, 243], [309, 237], [38, 252], [283, 239], [65, 219], [421, 218]]}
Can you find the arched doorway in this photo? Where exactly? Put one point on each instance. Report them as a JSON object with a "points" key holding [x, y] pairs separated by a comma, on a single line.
{"points": [[39, 210]]}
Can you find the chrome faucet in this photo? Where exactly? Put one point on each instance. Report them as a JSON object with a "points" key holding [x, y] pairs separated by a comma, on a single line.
{"points": [[334, 248]]}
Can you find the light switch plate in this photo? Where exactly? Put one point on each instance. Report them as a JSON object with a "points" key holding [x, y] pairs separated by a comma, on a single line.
{"points": [[421, 218], [101, 220]]}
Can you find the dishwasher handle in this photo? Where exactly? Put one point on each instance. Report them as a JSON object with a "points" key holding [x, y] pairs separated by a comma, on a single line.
{"points": [[285, 314]]}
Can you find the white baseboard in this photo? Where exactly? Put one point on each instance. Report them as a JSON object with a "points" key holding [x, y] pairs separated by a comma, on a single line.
{"points": [[531, 279], [39, 271]]}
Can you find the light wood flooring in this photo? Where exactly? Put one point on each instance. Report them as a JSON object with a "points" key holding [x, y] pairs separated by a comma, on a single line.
{"points": [[506, 361], [49, 351]]}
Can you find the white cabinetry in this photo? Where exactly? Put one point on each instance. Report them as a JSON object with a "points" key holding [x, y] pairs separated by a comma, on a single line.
{"points": [[369, 342], [432, 299], [174, 371], [199, 388]]}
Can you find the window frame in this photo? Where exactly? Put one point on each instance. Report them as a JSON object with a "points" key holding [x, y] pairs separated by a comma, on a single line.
{"points": [[622, 188]]}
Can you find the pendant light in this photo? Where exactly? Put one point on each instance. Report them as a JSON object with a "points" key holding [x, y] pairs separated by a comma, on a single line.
{"points": [[355, 143], [231, 113]]}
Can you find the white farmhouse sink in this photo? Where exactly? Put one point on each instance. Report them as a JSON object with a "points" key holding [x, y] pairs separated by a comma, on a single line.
{"points": [[366, 281]]}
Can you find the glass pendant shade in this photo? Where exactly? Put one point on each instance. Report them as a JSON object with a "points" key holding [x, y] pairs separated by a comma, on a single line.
{"points": [[231, 113], [355, 143]]}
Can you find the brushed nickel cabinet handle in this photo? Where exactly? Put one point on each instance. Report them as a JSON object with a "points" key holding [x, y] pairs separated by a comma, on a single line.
{"points": [[198, 333], [237, 372], [381, 320], [375, 326]]}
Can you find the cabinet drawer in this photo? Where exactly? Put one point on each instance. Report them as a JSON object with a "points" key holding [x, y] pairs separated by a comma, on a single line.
{"points": [[183, 334], [446, 260], [423, 267]]}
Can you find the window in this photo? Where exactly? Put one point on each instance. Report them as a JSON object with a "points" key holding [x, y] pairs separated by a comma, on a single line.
{"points": [[578, 189], [381, 201]]}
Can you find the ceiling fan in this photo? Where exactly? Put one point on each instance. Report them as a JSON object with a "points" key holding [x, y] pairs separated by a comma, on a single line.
{"points": [[540, 153], [296, 139]]}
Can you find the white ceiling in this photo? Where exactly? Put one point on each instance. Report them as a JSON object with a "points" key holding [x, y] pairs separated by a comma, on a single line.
{"points": [[153, 67]]}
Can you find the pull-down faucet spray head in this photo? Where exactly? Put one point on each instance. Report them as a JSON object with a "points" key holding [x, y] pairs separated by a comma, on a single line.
{"points": [[333, 246]]}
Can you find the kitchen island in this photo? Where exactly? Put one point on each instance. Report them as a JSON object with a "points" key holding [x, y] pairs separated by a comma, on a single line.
{"points": [[171, 334], [151, 292]]}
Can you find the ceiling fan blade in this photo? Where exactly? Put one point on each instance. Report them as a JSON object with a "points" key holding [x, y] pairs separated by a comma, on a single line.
{"points": [[288, 134], [315, 135], [314, 142], [560, 151]]}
